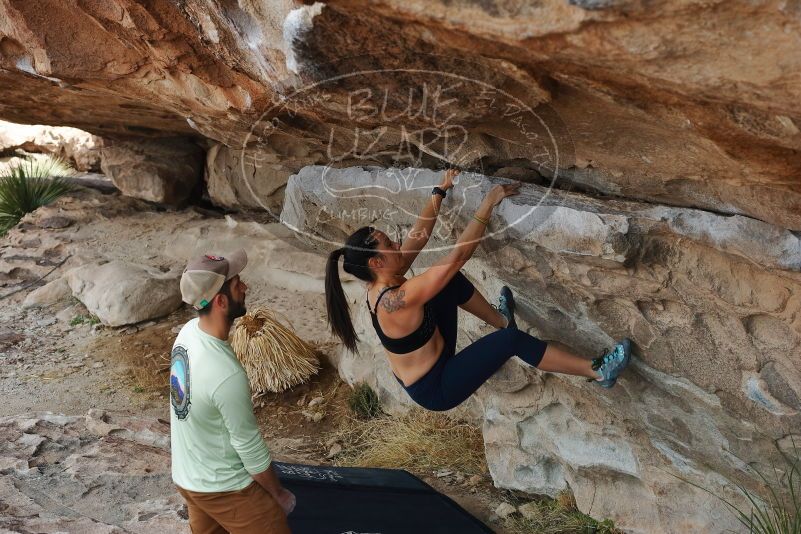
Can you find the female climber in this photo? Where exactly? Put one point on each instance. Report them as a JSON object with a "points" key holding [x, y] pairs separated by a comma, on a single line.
{"points": [[416, 320]]}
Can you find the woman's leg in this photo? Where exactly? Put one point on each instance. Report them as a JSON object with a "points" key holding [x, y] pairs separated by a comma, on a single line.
{"points": [[478, 306], [445, 306], [558, 360], [464, 373]]}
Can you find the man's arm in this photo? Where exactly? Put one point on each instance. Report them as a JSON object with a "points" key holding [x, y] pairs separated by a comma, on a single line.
{"points": [[269, 481], [232, 399]]}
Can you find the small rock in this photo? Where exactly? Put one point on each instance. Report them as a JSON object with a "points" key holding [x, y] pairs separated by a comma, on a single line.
{"points": [[55, 222], [335, 449], [330, 443], [504, 510], [474, 480], [9, 339], [318, 416], [442, 473], [315, 401], [47, 321], [176, 329], [530, 510], [97, 365]]}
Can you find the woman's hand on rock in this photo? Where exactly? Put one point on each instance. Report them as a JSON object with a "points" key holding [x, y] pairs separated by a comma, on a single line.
{"points": [[447, 179], [500, 192]]}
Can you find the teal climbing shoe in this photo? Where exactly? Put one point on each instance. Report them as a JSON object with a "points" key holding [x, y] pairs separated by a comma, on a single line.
{"points": [[611, 364], [506, 306]]}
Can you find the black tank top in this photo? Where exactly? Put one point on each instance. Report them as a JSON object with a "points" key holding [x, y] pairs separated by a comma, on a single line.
{"points": [[408, 343]]}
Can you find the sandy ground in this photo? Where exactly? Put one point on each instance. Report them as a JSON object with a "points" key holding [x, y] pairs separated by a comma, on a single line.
{"points": [[50, 360]]}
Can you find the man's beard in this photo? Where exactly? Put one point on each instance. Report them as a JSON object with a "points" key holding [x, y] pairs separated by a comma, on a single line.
{"points": [[236, 310]]}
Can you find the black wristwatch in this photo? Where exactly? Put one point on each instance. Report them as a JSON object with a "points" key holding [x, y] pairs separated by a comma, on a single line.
{"points": [[439, 191]]}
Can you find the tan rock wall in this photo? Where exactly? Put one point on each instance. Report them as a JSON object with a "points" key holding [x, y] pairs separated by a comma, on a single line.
{"points": [[686, 103], [716, 380]]}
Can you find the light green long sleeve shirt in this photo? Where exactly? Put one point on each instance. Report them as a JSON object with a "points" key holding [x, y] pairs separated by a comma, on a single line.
{"points": [[216, 442]]}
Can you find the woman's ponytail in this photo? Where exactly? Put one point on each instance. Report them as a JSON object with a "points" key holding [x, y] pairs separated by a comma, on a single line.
{"points": [[337, 304]]}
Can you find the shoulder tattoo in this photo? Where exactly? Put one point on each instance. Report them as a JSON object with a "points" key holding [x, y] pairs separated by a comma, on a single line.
{"points": [[394, 302]]}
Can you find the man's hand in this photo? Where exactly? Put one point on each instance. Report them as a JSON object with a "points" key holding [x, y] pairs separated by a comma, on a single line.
{"points": [[447, 179], [286, 499], [269, 481]]}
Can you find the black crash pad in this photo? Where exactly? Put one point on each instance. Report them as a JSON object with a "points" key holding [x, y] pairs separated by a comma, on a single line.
{"points": [[354, 500]]}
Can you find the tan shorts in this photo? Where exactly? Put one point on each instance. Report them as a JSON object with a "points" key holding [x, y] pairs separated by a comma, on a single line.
{"points": [[248, 511]]}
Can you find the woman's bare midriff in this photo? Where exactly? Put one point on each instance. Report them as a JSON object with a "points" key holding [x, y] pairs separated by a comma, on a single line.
{"points": [[412, 366]]}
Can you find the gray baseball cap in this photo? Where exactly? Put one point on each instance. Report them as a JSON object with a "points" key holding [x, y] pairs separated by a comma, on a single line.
{"points": [[206, 274]]}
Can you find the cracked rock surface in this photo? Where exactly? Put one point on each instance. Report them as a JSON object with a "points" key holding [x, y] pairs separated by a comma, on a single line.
{"points": [[711, 303], [59, 473]]}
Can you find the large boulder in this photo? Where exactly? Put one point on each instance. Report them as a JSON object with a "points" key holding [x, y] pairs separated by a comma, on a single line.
{"points": [[78, 148], [49, 294], [255, 178], [121, 293], [708, 300], [159, 170]]}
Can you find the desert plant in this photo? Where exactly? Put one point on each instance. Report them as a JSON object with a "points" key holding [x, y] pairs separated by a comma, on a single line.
{"points": [[91, 320], [781, 512], [363, 402], [28, 185], [273, 356]]}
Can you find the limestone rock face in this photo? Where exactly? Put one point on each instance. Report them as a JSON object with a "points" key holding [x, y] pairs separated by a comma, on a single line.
{"points": [[98, 474], [163, 170], [684, 103], [711, 303], [79, 149], [680, 118], [255, 179], [121, 293]]}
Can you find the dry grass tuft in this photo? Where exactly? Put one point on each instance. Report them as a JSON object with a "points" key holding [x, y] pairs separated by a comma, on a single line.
{"points": [[274, 357], [558, 516], [566, 500], [419, 441]]}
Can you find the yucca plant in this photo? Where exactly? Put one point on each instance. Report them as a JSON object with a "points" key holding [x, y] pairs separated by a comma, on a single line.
{"points": [[780, 513], [28, 185]]}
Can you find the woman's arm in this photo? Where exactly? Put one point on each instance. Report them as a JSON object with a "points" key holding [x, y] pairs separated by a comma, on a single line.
{"points": [[421, 232], [424, 287]]}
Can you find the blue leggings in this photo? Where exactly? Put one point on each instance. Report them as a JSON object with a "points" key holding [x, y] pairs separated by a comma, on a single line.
{"points": [[456, 376]]}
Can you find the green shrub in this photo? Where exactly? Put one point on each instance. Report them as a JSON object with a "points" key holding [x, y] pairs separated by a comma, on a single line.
{"points": [[29, 185], [364, 402], [91, 320]]}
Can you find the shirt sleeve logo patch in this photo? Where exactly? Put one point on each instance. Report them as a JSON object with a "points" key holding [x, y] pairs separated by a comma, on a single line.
{"points": [[179, 382]]}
